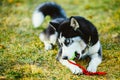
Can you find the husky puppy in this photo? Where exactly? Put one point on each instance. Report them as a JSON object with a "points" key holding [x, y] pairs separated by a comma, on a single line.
{"points": [[75, 36]]}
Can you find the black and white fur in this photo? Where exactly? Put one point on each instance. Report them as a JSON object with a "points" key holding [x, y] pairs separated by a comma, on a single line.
{"points": [[74, 36]]}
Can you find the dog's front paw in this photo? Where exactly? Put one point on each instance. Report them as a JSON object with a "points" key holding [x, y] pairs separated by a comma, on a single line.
{"points": [[76, 70], [92, 69]]}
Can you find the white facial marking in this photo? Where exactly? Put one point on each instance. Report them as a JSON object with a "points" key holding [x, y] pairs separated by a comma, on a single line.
{"points": [[76, 46]]}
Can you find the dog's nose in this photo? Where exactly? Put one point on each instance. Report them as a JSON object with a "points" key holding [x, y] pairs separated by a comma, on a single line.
{"points": [[65, 57]]}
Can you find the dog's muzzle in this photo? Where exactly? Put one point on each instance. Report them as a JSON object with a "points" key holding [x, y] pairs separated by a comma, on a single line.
{"points": [[76, 56]]}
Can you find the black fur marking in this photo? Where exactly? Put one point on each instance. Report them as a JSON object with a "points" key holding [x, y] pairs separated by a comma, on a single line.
{"points": [[100, 52], [66, 30], [52, 9]]}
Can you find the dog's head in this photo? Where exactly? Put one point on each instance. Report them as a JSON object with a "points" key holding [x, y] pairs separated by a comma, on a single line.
{"points": [[70, 39]]}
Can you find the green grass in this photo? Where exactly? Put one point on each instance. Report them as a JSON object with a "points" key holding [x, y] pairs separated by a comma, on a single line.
{"points": [[22, 54]]}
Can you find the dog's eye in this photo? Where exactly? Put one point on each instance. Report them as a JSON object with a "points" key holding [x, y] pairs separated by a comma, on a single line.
{"points": [[68, 42]]}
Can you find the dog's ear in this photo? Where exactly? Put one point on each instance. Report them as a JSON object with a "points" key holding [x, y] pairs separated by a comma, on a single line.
{"points": [[54, 25], [74, 23]]}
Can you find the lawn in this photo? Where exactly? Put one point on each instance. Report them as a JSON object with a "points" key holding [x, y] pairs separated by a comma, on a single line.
{"points": [[22, 54]]}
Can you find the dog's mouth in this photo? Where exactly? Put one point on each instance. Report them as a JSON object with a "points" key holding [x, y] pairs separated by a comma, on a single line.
{"points": [[77, 55]]}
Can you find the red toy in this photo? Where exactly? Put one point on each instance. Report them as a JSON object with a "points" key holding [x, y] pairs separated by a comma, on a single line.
{"points": [[87, 72]]}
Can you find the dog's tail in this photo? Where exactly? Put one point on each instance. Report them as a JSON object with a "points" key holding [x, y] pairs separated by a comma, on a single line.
{"points": [[49, 8]]}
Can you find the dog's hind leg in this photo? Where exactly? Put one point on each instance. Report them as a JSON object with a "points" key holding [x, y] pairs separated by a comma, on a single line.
{"points": [[46, 41], [53, 38]]}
